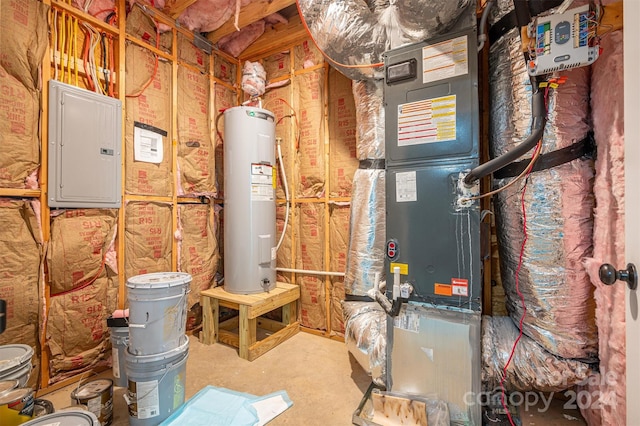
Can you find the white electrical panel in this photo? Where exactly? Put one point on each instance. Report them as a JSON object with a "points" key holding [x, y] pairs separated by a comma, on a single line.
{"points": [[563, 41], [85, 133]]}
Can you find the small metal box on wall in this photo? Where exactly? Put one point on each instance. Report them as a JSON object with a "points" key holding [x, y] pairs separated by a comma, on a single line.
{"points": [[85, 133]]}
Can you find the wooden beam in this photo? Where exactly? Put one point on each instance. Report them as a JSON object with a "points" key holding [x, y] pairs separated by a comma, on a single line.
{"points": [[176, 7], [249, 14], [611, 21], [280, 35], [18, 192]]}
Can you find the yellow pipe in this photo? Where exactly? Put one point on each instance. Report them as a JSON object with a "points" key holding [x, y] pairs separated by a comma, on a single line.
{"points": [[63, 34], [75, 49]]}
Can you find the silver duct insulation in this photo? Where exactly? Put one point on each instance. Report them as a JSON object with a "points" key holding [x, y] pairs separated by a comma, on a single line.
{"points": [[365, 325], [558, 203], [365, 254], [370, 118], [358, 32], [532, 367]]}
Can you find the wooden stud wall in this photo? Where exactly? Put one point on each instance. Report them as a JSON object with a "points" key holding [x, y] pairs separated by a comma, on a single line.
{"points": [[274, 41], [121, 39]]}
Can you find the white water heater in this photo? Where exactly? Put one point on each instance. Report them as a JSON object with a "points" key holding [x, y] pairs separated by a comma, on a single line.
{"points": [[249, 200]]}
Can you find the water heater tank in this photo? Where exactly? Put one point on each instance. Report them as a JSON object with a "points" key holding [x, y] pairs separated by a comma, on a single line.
{"points": [[249, 200]]}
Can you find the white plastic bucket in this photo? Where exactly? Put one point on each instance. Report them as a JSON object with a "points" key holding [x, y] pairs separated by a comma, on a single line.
{"points": [[119, 343], [66, 418], [15, 363], [156, 384], [157, 311]]}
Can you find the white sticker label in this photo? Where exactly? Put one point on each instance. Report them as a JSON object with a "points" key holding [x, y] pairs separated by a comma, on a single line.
{"points": [[115, 362], [262, 188], [427, 121], [95, 405], [459, 287], [274, 253], [147, 399], [147, 146], [406, 189], [404, 292], [408, 320], [445, 59]]}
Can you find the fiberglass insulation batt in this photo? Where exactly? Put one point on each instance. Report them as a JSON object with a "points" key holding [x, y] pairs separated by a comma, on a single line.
{"points": [[607, 95]]}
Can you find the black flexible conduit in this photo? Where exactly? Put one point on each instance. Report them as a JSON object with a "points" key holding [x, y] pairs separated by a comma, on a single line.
{"points": [[539, 113]]}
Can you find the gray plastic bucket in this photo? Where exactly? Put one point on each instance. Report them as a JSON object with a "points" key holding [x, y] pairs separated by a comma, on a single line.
{"points": [[156, 384], [119, 343], [157, 311], [15, 363], [66, 418]]}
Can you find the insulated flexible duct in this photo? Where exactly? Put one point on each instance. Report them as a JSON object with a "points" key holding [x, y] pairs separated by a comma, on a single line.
{"points": [[558, 203], [358, 32], [365, 254], [532, 367]]}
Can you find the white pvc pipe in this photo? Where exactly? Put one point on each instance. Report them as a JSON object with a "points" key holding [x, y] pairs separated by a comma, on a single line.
{"points": [[309, 272], [286, 192]]}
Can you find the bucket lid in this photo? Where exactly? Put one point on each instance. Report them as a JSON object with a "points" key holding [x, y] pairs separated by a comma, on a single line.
{"points": [[173, 353], [15, 395], [14, 355], [159, 280], [7, 386], [66, 418], [91, 389]]}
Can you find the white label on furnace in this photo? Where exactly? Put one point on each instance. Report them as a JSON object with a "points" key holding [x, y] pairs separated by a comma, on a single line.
{"points": [[406, 189], [147, 399], [427, 121], [147, 146], [262, 182], [445, 59], [408, 320], [274, 253]]}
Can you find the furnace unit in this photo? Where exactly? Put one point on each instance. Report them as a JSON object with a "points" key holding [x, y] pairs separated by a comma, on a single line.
{"points": [[433, 229]]}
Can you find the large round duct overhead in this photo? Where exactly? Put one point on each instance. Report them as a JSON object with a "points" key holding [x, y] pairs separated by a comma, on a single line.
{"points": [[354, 33]]}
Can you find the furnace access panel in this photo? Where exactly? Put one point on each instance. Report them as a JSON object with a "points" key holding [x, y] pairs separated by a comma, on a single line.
{"points": [[85, 134], [431, 131]]}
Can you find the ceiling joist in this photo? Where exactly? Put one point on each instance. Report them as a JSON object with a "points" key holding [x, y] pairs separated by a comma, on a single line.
{"points": [[280, 35], [174, 8], [249, 14]]}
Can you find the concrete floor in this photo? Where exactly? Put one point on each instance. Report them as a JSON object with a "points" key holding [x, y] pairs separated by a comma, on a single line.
{"points": [[324, 382]]}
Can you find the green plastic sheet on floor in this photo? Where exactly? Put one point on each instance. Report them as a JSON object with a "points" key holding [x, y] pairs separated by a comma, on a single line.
{"points": [[214, 406]]}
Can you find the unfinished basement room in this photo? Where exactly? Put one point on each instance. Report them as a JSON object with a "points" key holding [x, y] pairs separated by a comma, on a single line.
{"points": [[319, 212]]}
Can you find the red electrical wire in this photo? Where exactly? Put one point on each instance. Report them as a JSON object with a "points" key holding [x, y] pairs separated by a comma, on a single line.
{"points": [[155, 68], [85, 59], [524, 307]]}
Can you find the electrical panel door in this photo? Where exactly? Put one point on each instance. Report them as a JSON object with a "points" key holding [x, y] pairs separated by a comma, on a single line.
{"points": [[85, 158]]}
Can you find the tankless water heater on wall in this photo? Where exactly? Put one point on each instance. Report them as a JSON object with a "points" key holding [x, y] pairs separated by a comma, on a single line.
{"points": [[85, 137]]}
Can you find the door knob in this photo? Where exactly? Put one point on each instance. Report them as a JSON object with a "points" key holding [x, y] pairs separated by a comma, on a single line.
{"points": [[609, 275]]}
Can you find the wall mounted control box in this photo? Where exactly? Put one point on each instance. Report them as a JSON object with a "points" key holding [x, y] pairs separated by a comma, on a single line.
{"points": [[85, 136], [563, 41]]}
